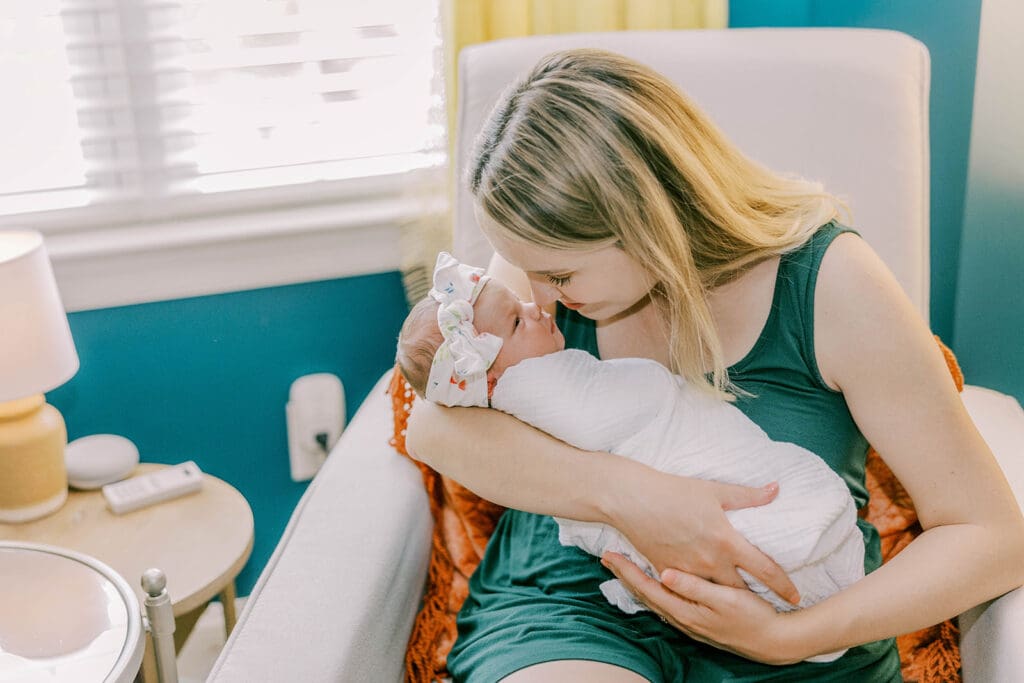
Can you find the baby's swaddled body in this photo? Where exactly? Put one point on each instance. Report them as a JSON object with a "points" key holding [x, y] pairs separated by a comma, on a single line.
{"points": [[638, 409]]}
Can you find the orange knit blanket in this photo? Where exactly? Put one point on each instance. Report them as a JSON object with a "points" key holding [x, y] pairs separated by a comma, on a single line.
{"points": [[463, 522]]}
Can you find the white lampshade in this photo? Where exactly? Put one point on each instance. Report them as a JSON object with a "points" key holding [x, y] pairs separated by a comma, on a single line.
{"points": [[37, 353]]}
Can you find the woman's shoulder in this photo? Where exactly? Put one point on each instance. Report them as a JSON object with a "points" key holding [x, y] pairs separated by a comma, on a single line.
{"points": [[799, 267], [818, 242], [849, 263], [857, 302]]}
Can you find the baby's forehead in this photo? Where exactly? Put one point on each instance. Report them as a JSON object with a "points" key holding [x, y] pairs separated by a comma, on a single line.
{"points": [[494, 299]]}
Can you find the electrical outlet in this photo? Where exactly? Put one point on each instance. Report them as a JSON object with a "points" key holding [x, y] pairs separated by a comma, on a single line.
{"points": [[315, 415]]}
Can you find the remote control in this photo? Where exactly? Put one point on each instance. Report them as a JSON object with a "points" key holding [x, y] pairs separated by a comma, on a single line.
{"points": [[153, 487]]}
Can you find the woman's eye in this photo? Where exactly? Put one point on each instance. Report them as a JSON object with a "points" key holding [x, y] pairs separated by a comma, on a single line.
{"points": [[559, 280], [516, 324]]}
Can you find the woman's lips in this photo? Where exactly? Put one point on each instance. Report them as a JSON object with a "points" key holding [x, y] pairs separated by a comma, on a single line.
{"points": [[573, 306]]}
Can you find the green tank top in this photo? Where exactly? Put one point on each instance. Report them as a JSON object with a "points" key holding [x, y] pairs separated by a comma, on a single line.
{"points": [[788, 399], [528, 585]]}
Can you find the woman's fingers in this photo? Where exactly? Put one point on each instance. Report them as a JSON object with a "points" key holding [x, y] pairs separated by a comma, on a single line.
{"points": [[692, 587], [692, 533], [651, 592], [725, 575], [745, 555], [765, 570], [628, 572], [734, 497]]}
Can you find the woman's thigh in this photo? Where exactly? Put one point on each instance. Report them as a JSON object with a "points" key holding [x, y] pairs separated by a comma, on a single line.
{"points": [[573, 670]]}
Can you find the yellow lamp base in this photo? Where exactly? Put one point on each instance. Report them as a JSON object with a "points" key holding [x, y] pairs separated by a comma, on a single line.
{"points": [[33, 478]]}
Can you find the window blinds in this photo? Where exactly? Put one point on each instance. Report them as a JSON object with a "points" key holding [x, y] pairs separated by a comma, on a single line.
{"points": [[148, 101]]}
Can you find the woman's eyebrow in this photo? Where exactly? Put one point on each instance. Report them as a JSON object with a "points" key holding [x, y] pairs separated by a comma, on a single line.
{"points": [[549, 272]]}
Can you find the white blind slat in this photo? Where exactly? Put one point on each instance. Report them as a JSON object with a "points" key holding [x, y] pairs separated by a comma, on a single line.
{"points": [[139, 100]]}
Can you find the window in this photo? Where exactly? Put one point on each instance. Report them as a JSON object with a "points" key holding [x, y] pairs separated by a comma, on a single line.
{"points": [[42, 163], [170, 148], [151, 107]]}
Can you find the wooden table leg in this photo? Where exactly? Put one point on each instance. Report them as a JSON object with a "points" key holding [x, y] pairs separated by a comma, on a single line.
{"points": [[227, 600], [183, 626]]}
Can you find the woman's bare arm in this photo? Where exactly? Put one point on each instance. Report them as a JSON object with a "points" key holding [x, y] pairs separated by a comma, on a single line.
{"points": [[872, 344], [511, 463], [886, 363]]}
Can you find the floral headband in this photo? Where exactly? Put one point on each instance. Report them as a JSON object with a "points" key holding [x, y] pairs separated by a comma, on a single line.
{"points": [[458, 374]]}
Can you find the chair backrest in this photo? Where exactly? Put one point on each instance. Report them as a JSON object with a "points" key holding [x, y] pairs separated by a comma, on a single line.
{"points": [[848, 107]]}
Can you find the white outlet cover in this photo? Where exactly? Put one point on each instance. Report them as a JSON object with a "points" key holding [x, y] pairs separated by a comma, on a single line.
{"points": [[316, 404]]}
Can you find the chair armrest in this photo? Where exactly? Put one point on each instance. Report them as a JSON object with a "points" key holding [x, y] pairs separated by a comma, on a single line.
{"points": [[992, 634], [339, 595]]}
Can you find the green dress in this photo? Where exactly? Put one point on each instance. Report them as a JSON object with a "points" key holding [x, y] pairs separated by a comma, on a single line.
{"points": [[533, 600]]}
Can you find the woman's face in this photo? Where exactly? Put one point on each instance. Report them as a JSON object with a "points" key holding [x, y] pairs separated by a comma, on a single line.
{"points": [[599, 283]]}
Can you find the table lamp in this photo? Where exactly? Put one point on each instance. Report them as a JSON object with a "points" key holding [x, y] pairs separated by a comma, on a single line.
{"points": [[37, 354]]}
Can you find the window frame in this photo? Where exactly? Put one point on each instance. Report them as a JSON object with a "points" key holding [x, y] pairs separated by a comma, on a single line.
{"points": [[136, 250], [109, 256]]}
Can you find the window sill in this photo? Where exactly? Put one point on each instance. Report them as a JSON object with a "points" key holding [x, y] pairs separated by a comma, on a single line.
{"points": [[130, 264]]}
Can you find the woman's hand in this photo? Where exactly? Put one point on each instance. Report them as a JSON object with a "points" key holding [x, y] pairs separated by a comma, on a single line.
{"points": [[680, 523], [732, 619]]}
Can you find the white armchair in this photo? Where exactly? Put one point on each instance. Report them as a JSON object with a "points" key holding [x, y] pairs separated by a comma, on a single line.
{"points": [[849, 107]]}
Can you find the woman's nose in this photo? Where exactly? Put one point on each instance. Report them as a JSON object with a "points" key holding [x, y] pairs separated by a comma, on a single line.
{"points": [[532, 310], [544, 294]]}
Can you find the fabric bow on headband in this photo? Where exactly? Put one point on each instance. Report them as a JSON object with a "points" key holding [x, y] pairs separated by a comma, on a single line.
{"points": [[458, 375]]}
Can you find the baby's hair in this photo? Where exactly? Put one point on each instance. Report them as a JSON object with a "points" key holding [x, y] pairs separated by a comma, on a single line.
{"points": [[418, 341]]}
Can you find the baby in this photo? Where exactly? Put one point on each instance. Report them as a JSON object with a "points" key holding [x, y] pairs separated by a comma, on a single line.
{"points": [[472, 342]]}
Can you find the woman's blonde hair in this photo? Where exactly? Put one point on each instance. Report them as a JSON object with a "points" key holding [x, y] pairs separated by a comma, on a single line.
{"points": [[593, 149]]}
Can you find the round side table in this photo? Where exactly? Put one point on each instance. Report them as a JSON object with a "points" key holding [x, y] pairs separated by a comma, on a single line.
{"points": [[65, 617]]}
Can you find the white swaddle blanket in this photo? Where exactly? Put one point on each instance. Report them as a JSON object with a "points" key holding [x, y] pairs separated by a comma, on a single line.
{"points": [[637, 408]]}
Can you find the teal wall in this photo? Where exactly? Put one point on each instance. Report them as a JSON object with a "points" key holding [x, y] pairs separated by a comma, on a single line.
{"points": [[990, 308], [950, 30], [207, 379]]}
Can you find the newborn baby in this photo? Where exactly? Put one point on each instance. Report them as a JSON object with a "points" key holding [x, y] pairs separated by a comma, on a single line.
{"points": [[473, 342]]}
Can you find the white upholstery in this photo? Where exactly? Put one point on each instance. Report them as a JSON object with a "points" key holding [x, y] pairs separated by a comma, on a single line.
{"points": [[992, 634], [848, 107], [337, 600]]}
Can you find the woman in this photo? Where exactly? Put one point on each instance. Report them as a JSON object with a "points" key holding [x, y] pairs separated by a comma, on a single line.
{"points": [[609, 196]]}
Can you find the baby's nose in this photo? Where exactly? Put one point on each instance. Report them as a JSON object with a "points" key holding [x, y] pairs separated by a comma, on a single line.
{"points": [[533, 310]]}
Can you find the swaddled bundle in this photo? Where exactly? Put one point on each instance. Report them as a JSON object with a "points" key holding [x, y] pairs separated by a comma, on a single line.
{"points": [[638, 409]]}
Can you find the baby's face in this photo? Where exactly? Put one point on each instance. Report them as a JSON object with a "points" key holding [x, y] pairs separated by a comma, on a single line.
{"points": [[526, 330]]}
